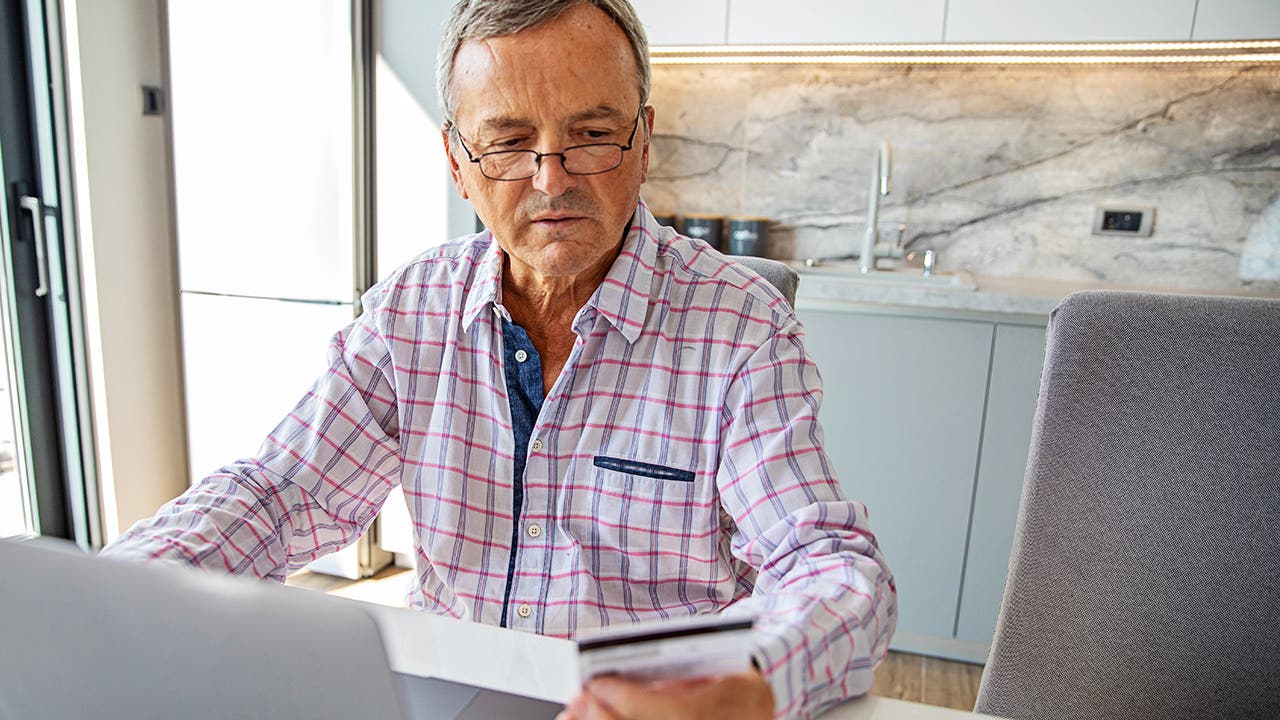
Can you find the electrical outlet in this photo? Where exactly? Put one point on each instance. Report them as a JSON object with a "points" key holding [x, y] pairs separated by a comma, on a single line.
{"points": [[1130, 220]]}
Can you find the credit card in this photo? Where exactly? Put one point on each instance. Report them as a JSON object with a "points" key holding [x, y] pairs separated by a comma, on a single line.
{"points": [[669, 649]]}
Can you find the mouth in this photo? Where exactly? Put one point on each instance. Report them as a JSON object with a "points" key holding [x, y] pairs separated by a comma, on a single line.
{"points": [[556, 220]]}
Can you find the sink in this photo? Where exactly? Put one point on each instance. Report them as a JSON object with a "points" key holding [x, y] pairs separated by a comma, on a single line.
{"points": [[847, 270]]}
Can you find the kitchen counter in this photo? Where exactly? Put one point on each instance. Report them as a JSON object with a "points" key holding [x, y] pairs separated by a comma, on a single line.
{"points": [[1009, 298]]}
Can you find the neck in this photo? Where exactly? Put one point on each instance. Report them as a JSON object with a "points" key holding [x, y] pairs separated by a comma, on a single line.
{"points": [[546, 305], [549, 302]]}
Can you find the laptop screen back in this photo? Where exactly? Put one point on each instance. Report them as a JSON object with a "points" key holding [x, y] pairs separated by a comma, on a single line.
{"points": [[88, 637]]}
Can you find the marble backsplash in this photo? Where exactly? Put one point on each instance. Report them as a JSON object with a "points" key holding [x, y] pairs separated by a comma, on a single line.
{"points": [[997, 168]]}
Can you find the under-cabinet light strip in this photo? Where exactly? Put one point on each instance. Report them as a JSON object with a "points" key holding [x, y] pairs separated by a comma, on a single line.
{"points": [[967, 47], [1232, 51], [962, 59]]}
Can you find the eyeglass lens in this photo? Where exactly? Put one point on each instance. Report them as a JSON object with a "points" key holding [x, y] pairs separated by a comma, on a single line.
{"points": [[580, 160]]}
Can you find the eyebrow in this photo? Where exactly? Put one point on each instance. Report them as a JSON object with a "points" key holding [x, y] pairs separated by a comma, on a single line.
{"points": [[599, 112], [504, 123]]}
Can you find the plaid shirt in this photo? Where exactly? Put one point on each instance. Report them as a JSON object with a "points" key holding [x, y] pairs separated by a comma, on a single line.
{"points": [[675, 468]]}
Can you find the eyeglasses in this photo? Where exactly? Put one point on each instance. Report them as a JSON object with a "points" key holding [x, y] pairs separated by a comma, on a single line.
{"points": [[590, 159]]}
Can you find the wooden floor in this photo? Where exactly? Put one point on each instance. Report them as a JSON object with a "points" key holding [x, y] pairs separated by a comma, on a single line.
{"points": [[928, 680], [901, 676], [387, 587]]}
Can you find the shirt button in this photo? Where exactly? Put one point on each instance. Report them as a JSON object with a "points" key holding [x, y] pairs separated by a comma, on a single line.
{"points": [[536, 446], [524, 610], [534, 530], [521, 356]]}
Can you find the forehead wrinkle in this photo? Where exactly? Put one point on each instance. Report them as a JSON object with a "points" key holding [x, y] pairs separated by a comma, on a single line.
{"points": [[500, 123], [520, 81], [603, 111]]}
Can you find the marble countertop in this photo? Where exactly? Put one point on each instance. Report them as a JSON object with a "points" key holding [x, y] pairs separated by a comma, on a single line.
{"points": [[1030, 299]]}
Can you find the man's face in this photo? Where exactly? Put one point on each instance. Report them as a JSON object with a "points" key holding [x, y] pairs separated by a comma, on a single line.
{"points": [[571, 81]]}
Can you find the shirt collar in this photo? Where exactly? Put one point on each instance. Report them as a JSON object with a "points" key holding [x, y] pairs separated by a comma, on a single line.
{"points": [[487, 291], [622, 298]]}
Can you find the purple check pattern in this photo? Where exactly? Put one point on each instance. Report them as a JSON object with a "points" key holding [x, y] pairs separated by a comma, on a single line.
{"points": [[683, 360]]}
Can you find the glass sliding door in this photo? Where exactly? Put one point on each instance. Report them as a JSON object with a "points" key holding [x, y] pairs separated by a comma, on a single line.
{"points": [[43, 460]]}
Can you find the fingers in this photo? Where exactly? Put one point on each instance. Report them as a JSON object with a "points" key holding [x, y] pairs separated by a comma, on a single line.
{"points": [[625, 699], [587, 707], [575, 710], [734, 697]]}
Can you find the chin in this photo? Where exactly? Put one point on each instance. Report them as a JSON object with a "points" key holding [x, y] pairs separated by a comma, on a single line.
{"points": [[561, 261], [570, 242], [562, 252]]}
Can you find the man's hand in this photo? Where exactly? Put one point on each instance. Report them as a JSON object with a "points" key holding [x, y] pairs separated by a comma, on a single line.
{"points": [[742, 696]]}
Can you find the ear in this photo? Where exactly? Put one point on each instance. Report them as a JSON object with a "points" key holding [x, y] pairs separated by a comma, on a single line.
{"points": [[649, 114], [454, 170]]}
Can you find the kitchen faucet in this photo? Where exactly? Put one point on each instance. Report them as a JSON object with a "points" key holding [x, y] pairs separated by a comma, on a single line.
{"points": [[880, 172]]}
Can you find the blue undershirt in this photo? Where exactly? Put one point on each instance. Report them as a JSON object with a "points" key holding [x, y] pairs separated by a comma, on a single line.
{"points": [[524, 388]]}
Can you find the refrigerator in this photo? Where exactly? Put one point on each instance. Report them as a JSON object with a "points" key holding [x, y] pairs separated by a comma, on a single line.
{"points": [[265, 105]]}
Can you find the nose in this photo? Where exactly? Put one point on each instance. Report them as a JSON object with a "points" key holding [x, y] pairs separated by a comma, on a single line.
{"points": [[551, 178]]}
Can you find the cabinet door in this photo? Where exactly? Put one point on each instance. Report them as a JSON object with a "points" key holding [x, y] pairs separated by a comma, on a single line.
{"points": [[1077, 21], [1006, 438], [902, 416], [680, 22], [835, 21], [1237, 19]]}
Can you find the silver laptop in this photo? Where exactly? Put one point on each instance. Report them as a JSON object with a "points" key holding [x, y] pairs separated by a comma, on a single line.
{"points": [[88, 637]]}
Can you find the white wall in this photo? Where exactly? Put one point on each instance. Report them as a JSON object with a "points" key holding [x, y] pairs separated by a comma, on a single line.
{"points": [[417, 204], [125, 210]]}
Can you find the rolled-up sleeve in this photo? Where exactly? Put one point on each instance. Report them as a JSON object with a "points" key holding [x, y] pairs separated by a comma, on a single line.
{"points": [[824, 595], [316, 484]]}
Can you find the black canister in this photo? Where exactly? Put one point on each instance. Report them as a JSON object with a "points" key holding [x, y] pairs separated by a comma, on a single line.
{"points": [[708, 228], [748, 236]]}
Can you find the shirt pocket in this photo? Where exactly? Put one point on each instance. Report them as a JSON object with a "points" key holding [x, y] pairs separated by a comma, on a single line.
{"points": [[635, 502], [643, 522], [638, 469]]}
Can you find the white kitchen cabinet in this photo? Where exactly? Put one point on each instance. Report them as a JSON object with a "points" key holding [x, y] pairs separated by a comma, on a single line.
{"points": [[902, 416], [1006, 437], [678, 22], [681, 22], [1237, 19], [835, 21], [928, 421], [1076, 21]]}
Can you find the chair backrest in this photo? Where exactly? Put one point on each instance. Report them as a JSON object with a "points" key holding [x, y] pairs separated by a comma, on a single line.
{"points": [[779, 274], [1144, 580]]}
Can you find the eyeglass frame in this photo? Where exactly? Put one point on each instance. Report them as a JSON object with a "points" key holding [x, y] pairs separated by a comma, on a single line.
{"points": [[538, 156]]}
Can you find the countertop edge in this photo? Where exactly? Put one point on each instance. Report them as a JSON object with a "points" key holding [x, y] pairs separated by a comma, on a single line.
{"points": [[1005, 299]]}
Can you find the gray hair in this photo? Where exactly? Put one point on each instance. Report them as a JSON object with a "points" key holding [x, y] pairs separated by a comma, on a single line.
{"points": [[480, 19]]}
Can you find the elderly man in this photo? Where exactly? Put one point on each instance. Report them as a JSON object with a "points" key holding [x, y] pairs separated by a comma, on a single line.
{"points": [[594, 419]]}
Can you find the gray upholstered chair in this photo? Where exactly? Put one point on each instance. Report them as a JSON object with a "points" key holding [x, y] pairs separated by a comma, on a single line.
{"points": [[1145, 575], [779, 274]]}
